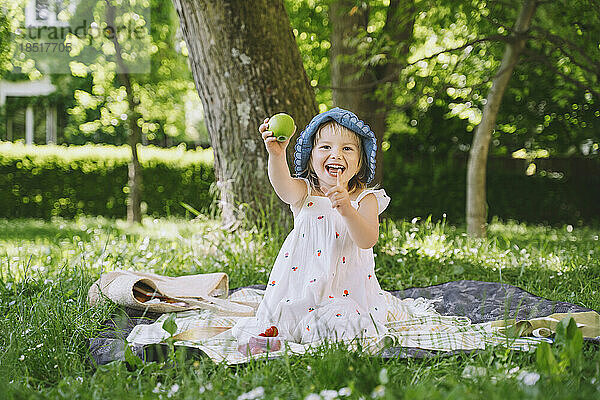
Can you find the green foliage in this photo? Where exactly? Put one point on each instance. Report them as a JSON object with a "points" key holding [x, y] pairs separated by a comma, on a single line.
{"points": [[170, 325], [436, 100], [550, 103], [92, 94], [48, 181], [312, 29], [567, 349], [4, 43]]}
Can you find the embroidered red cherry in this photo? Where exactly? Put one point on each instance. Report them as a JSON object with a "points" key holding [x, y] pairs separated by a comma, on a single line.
{"points": [[286, 255], [338, 315], [311, 309], [337, 235], [272, 283], [320, 217], [318, 253], [346, 293], [310, 203], [370, 276], [294, 268], [270, 332], [344, 260], [331, 297]]}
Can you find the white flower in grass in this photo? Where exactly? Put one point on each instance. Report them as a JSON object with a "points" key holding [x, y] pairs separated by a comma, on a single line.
{"points": [[345, 392], [471, 371], [329, 394], [208, 387], [22, 358], [378, 392], [528, 378], [255, 393], [157, 388], [312, 396], [174, 389]]}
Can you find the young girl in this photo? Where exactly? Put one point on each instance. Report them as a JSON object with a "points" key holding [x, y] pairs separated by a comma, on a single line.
{"points": [[323, 284]]}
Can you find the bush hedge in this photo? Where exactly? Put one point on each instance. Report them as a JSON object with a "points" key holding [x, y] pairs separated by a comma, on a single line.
{"points": [[47, 181], [561, 191]]}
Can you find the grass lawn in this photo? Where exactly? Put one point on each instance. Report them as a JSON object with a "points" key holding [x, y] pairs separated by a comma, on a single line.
{"points": [[46, 269]]}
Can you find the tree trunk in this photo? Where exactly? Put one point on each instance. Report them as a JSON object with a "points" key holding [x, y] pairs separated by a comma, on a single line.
{"points": [[134, 183], [246, 66], [352, 89], [476, 209]]}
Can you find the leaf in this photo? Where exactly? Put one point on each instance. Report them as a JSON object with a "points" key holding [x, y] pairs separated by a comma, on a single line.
{"points": [[189, 208], [170, 325], [132, 359], [572, 350], [545, 360]]}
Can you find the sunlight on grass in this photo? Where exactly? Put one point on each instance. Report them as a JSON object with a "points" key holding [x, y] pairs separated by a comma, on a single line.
{"points": [[46, 269]]}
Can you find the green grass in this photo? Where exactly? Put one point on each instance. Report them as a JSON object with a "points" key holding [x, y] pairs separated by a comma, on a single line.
{"points": [[46, 269]]}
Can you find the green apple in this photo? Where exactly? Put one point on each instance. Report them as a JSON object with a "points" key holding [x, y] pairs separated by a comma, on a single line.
{"points": [[282, 126]]}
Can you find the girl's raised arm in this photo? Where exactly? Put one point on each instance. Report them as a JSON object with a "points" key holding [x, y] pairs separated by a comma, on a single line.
{"points": [[289, 190]]}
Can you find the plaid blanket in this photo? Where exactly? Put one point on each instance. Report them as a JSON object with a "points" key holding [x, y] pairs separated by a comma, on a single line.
{"points": [[455, 316]]}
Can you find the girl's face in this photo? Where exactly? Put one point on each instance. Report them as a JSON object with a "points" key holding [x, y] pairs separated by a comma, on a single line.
{"points": [[335, 149]]}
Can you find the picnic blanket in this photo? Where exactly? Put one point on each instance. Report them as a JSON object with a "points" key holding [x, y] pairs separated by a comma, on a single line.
{"points": [[454, 316]]}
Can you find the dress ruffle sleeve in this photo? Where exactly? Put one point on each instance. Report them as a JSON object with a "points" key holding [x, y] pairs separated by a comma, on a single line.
{"points": [[383, 200]]}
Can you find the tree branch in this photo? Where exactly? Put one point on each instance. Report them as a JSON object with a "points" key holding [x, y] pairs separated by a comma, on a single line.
{"points": [[557, 39], [395, 74], [548, 63]]}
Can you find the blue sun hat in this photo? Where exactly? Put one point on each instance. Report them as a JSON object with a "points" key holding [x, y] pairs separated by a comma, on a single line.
{"points": [[345, 118]]}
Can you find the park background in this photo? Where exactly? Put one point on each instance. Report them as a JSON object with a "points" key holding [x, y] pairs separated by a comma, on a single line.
{"points": [[419, 72]]}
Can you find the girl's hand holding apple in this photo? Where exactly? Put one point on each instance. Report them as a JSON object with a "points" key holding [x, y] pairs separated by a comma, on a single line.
{"points": [[277, 139]]}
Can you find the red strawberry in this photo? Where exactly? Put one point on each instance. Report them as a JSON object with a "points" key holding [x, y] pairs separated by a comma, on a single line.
{"points": [[275, 331]]}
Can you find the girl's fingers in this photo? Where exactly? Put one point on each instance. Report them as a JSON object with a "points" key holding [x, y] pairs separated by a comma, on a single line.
{"points": [[267, 134]]}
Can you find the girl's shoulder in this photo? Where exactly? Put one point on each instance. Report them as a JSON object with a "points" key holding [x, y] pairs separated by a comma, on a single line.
{"points": [[383, 200]]}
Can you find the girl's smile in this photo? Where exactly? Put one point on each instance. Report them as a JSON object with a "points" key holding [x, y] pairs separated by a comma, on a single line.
{"points": [[334, 154]]}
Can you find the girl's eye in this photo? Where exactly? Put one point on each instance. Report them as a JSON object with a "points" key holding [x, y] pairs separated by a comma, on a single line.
{"points": [[325, 146], [348, 148]]}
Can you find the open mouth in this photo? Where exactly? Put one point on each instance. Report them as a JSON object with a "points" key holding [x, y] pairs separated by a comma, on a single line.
{"points": [[333, 169]]}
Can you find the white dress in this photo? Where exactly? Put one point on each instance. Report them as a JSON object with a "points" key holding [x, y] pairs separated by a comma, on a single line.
{"points": [[322, 285]]}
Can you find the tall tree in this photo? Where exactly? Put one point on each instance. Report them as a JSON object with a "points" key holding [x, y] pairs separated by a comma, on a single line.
{"points": [[358, 77], [476, 208], [134, 211], [246, 66]]}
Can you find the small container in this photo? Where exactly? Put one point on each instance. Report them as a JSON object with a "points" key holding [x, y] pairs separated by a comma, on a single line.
{"points": [[261, 344]]}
